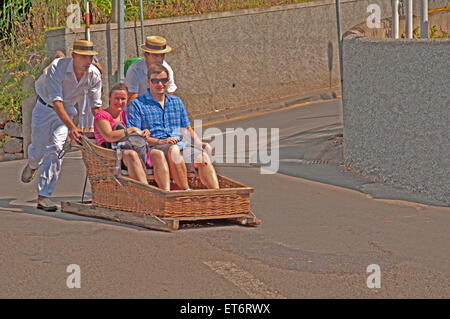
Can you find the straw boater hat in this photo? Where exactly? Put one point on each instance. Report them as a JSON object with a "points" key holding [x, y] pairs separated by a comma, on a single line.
{"points": [[155, 44], [84, 47]]}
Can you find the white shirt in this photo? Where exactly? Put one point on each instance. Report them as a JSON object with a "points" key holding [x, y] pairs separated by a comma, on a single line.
{"points": [[59, 83], [136, 78]]}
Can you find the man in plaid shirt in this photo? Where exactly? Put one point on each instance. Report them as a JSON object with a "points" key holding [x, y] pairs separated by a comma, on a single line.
{"points": [[165, 116]]}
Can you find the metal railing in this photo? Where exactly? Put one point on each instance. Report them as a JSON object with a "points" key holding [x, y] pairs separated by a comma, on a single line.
{"points": [[408, 5]]}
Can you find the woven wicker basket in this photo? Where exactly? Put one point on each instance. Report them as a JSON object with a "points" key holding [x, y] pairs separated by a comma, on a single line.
{"points": [[123, 193]]}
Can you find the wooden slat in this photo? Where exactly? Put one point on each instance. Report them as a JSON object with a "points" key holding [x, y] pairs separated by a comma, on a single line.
{"points": [[248, 221], [147, 221], [131, 218], [192, 218]]}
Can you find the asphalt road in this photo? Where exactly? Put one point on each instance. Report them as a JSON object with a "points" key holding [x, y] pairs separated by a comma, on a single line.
{"points": [[316, 240]]}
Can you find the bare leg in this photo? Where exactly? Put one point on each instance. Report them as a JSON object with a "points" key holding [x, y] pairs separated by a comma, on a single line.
{"points": [[178, 167], [161, 169], [134, 166], [206, 171]]}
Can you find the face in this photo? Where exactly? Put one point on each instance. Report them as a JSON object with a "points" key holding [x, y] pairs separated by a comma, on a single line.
{"points": [[81, 63], [156, 58], [159, 87], [118, 100]]}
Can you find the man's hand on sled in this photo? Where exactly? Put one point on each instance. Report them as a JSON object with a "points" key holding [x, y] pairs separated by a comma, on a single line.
{"points": [[75, 134]]}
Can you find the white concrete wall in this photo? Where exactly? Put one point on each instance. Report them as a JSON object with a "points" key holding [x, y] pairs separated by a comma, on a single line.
{"points": [[396, 102]]}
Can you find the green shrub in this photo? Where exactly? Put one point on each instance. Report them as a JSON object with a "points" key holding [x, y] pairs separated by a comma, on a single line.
{"points": [[435, 33]]}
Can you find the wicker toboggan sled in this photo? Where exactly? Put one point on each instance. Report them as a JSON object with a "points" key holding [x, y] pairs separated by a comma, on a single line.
{"points": [[119, 198]]}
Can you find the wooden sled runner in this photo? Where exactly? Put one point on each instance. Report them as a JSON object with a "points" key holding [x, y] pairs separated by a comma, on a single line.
{"points": [[118, 198]]}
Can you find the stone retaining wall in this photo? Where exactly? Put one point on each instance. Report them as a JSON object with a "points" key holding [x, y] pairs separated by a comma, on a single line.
{"points": [[12, 137]]}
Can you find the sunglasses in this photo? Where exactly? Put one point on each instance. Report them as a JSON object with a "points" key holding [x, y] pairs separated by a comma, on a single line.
{"points": [[156, 81]]}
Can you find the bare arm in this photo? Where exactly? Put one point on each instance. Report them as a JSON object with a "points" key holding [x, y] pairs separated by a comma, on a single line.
{"points": [[110, 135], [154, 141], [196, 141]]}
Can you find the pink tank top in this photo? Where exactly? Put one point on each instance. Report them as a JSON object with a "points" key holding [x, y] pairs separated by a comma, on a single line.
{"points": [[103, 115]]}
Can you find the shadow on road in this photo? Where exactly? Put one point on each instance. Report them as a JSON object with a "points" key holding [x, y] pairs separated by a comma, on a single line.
{"points": [[8, 205]]}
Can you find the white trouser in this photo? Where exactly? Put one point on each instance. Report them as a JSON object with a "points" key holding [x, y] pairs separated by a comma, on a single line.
{"points": [[86, 118], [48, 135]]}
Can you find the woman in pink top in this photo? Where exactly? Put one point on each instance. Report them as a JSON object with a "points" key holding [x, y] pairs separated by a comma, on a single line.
{"points": [[104, 134]]}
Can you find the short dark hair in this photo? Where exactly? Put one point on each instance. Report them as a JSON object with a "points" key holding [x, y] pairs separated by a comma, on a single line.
{"points": [[118, 87], [156, 69]]}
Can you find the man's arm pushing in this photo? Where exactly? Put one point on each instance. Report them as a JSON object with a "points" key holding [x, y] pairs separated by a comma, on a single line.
{"points": [[74, 131]]}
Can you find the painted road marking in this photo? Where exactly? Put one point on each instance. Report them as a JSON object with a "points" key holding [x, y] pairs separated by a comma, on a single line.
{"points": [[439, 9], [243, 280]]}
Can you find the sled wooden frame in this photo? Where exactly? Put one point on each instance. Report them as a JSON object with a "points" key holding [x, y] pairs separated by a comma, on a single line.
{"points": [[147, 221], [119, 198]]}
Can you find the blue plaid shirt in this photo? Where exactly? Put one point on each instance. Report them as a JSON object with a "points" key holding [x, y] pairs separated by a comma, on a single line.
{"points": [[144, 112]]}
